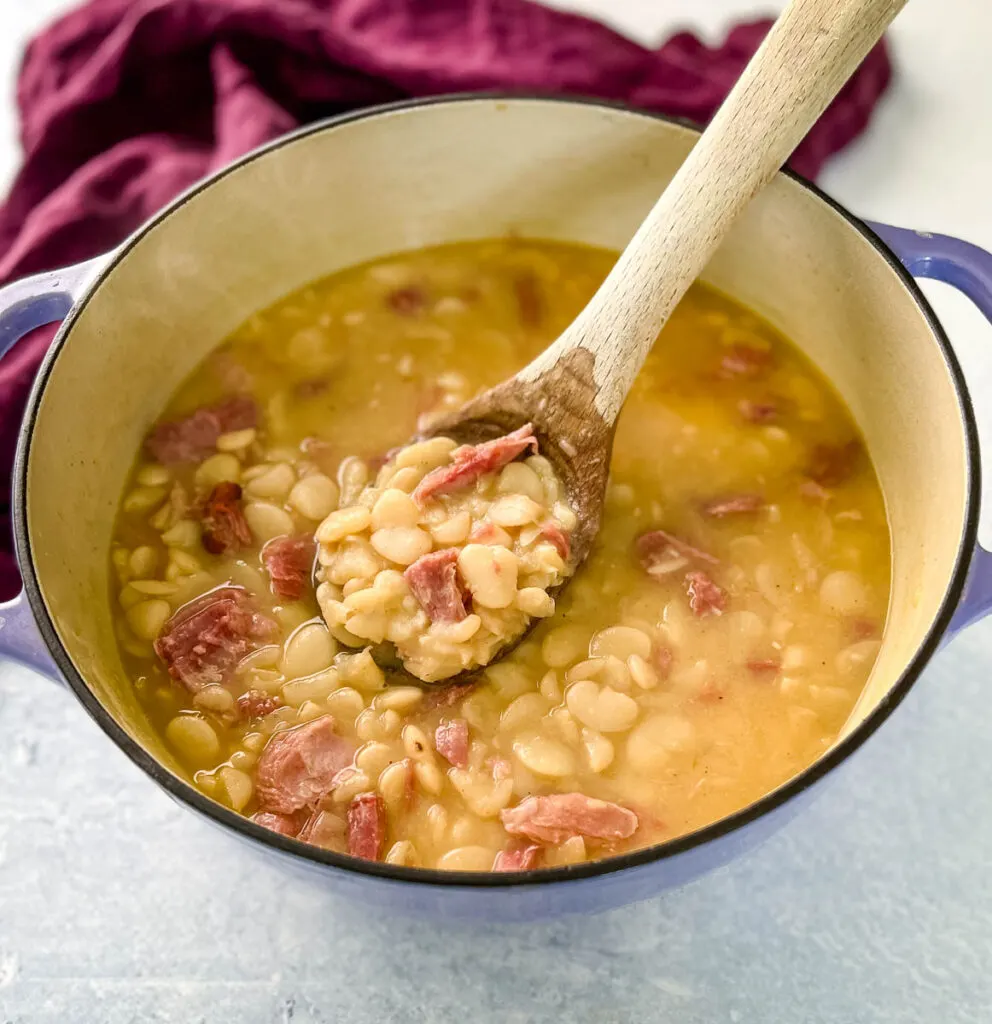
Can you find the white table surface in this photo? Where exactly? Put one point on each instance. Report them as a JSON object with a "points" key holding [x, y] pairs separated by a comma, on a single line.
{"points": [[874, 906]]}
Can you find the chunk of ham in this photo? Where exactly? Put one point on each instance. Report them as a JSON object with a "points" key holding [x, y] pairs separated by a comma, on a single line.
{"points": [[194, 437], [205, 639], [257, 704], [830, 465], [735, 505], [705, 597], [745, 361], [224, 525], [451, 742], [661, 553], [470, 462], [298, 766], [555, 818], [518, 857], [558, 537], [324, 829], [284, 824], [764, 666], [366, 826], [289, 563], [530, 300], [407, 301], [433, 580], [758, 412]]}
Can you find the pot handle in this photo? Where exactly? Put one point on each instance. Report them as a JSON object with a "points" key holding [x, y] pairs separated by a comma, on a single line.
{"points": [[25, 305], [968, 268]]}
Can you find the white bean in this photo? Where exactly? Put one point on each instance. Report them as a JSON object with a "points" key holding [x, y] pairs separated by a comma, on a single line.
{"points": [[544, 756], [236, 440], [267, 521], [601, 708], [515, 510], [394, 508], [599, 750], [857, 658], [147, 618], [490, 573], [314, 497], [193, 738], [238, 786], [453, 530], [218, 469], [658, 740], [467, 858], [343, 522], [310, 649], [401, 544], [518, 478], [844, 593], [535, 602], [403, 854], [319, 686], [621, 642], [641, 672], [425, 455], [563, 645], [393, 785]]}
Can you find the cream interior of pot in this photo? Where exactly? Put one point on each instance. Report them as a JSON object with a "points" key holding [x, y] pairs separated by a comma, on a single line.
{"points": [[455, 171]]}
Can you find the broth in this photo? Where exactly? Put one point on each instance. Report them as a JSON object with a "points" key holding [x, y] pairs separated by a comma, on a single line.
{"points": [[711, 647]]}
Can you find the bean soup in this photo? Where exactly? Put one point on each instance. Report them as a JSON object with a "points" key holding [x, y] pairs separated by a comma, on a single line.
{"points": [[273, 535]]}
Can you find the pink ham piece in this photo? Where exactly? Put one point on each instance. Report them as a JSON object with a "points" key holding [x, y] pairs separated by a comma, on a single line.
{"points": [[193, 438], [558, 537], [298, 766], [517, 858], [758, 412], [764, 666], [257, 704], [705, 597], [204, 641], [830, 465], [451, 742], [662, 553], [555, 818], [289, 563], [224, 525], [408, 301], [745, 361], [433, 579], [284, 824], [470, 462], [738, 504], [324, 829], [366, 826]]}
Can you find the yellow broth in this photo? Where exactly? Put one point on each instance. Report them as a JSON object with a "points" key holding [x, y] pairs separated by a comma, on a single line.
{"points": [[725, 706]]}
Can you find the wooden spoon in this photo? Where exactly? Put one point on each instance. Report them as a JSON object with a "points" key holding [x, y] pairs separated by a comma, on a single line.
{"points": [[573, 392]]}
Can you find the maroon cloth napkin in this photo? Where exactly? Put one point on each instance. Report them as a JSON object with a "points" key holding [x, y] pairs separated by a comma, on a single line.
{"points": [[124, 103]]}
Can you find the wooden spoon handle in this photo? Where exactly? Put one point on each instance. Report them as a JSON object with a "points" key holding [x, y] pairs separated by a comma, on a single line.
{"points": [[810, 52]]}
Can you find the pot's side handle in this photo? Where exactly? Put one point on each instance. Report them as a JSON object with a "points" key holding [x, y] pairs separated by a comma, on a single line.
{"points": [[968, 268], [25, 305]]}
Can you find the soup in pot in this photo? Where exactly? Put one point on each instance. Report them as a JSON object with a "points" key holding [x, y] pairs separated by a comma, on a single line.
{"points": [[279, 528]]}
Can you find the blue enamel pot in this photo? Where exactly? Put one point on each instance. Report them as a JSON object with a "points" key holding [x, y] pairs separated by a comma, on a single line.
{"points": [[136, 321]]}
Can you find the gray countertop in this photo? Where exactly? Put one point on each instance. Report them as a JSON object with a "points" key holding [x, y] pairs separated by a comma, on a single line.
{"points": [[875, 905]]}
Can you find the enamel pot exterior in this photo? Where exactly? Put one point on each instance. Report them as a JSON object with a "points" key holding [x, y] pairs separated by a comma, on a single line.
{"points": [[465, 168]]}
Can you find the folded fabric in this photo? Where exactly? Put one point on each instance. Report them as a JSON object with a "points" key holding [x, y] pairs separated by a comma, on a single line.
{"points": [[124, 103]]}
